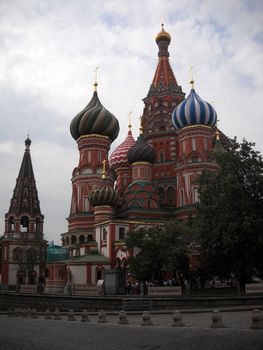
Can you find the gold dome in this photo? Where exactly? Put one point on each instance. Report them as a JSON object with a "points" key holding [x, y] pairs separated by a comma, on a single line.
{"points": [[163, 35]]}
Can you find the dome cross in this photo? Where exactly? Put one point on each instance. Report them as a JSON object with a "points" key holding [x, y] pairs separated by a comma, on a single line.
{"points": [[95, 78], [191, 76]]}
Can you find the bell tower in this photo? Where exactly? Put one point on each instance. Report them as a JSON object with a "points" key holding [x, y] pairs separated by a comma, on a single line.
{"points": [[164, 93], [23, 256], [163, 96]]}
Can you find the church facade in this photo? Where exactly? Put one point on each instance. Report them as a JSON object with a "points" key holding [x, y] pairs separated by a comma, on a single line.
{"points": [[143, 182]]}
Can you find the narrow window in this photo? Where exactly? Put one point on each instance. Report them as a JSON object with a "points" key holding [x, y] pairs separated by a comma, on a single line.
{"points": [[170, 194], [104, 235], [89, 156], [11, 224], [99, 156], [121, 233], [193, 144], [86, 204]]}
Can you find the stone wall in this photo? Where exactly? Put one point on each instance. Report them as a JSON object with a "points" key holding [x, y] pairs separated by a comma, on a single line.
{"points": [[78, 303]]}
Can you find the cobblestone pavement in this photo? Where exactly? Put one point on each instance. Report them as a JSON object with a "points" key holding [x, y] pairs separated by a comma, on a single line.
{"points": [[17, 333]]}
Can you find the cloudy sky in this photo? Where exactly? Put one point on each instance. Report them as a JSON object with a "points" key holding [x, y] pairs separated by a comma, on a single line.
{"points": [[49, 49]]}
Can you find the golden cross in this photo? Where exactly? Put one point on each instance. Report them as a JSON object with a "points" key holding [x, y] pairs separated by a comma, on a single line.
{"points": [[95, 78], [191, 76]]}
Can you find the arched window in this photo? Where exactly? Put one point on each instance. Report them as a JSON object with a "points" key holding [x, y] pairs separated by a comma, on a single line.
{"points": [[24, 224], [104, 235], [161, 156], [121, 233], [73, 239], [81, 239], [90, 238], [98, 275]]}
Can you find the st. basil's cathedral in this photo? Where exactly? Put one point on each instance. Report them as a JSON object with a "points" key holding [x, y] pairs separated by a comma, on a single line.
{"points": [[143, 182]]}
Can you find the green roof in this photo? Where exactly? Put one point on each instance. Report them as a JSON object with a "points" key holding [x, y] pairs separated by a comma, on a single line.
{"points": [[88, 258], [56, 253]]}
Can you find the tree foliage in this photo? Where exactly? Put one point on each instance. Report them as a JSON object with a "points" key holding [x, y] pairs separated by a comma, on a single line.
{"points": [[229, 220], [158, 249]]}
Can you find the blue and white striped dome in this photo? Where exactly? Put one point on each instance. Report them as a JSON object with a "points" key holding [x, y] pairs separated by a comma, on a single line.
{"points": [[193, 111]]}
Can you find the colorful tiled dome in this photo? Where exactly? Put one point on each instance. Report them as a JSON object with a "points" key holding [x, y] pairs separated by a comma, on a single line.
{"points": [[141, 152], [193, 111], [119, 157], [95, 119], [105, 195]]}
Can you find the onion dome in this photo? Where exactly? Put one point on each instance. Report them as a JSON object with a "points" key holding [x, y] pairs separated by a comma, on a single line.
{"points": [[163, 35], [193, 111], [106, 195], [119, 157], [141, 151], [95, 119]]}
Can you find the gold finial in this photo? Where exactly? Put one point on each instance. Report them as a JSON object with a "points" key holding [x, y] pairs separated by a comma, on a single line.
{"points": [[103, 175], [191, 77], [129, 116], [217, 133], [95, 78]]}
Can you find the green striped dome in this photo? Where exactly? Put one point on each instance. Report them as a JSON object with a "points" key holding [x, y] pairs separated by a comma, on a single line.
{"points": [[106, 195], [95, 119]]}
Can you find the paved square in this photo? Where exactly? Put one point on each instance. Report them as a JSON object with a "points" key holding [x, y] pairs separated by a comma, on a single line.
{"points": [[18, 333]]}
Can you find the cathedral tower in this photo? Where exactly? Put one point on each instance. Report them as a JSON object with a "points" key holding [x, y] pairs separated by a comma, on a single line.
{"points": [[94, 129], [194, 120], [23, 258], [163, 96]]}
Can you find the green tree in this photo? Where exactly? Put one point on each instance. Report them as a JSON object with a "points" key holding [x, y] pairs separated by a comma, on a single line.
{"points": [[158, 249], [229, 222]]}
